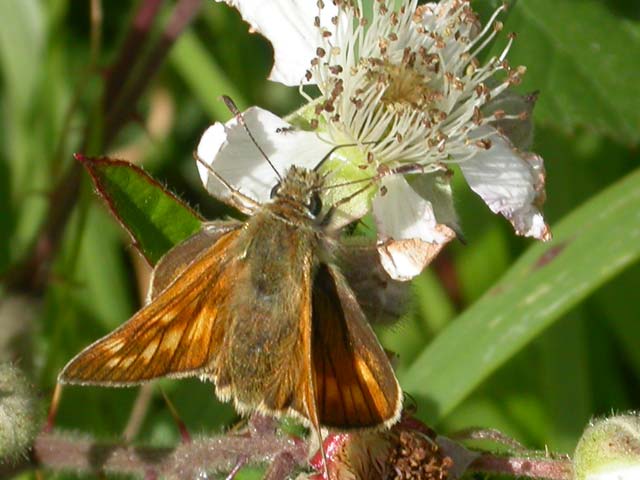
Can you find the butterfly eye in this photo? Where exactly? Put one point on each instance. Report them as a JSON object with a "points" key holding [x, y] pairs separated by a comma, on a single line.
{"points": [[274, 190], [315, 204]]}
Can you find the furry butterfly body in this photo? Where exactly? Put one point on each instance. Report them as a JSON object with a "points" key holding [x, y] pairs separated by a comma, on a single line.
{"points": [[260, 308]]}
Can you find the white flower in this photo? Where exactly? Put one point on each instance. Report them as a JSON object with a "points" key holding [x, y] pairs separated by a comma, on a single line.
{"points": [[239, 162], [406, 88]]}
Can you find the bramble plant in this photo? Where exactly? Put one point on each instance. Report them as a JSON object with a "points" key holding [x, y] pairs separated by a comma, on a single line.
{"points": [[515, 354]]}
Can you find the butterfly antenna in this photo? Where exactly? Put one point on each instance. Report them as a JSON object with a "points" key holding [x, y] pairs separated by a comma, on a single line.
{"points": [[353, 182], [348, 198], [234, 109], [401, 170], [210, 169], [382, 172], [231, 188], [344, 145]]}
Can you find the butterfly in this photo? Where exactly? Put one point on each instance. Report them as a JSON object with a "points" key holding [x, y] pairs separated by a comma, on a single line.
{"points": [[270, 310]]}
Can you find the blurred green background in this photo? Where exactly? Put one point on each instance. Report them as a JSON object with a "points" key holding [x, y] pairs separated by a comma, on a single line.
{"points": [[583, 358]]}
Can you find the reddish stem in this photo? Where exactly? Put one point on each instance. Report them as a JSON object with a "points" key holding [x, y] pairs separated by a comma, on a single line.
{"points": [[58, 452], [541, 468], [31, 275], [122, 110], [448, 275], [130, 50]]}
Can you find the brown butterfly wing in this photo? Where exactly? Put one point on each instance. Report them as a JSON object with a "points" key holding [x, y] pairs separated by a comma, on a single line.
{"points": [[355, 386], [177, 334], [178, 259]]}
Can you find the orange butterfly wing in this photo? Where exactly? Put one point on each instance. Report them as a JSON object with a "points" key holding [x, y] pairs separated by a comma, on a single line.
{"points": [[177, 334], [355, 386]]}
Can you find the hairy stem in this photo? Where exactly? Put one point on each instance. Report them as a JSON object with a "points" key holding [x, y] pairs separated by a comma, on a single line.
{"points": [[60, 452], [527, 467]]}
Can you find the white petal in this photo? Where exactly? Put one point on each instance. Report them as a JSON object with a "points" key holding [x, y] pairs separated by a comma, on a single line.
{"points": [[624, 472], [401, 214], [229, 151], [410, 237], [510, 182], [436, 187], [289, 26]]}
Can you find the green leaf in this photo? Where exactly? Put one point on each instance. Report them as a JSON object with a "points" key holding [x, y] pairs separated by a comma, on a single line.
{"points": [[154, 217], [584, 58], [591, 245]]}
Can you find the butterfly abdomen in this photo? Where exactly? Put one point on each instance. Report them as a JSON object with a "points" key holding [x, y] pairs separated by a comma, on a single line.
{"points": [[270, 306]]}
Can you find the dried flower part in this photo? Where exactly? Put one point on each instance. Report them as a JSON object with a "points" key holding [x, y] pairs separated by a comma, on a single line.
{"points": [[416, 456], [405, 452]]}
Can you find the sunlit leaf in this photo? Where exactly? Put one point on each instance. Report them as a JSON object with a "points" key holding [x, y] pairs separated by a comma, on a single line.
{"points": [[591, 245], [583, 57], [154, 217]]}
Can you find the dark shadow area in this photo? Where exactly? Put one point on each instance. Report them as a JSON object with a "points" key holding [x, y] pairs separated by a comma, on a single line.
{"points": [[7, 215], [629, 9]]}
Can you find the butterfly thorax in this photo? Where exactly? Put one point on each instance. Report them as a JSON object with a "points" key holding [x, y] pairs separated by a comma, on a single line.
{"points": [[295, 198]]}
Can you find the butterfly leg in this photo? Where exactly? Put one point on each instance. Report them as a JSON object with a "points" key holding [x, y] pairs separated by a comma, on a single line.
{"points": [[239, 200], [312, 414]]}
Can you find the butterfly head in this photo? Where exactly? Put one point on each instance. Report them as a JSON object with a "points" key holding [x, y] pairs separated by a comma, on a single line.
{"points": [[300, 187]]}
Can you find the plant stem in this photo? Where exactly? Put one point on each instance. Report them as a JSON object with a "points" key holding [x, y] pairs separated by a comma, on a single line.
{"points": [[60, 452], [528, 467]]}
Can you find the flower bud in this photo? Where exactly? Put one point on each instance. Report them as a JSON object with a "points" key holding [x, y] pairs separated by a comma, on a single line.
{"points": [[609, 450], [19, 413]]}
